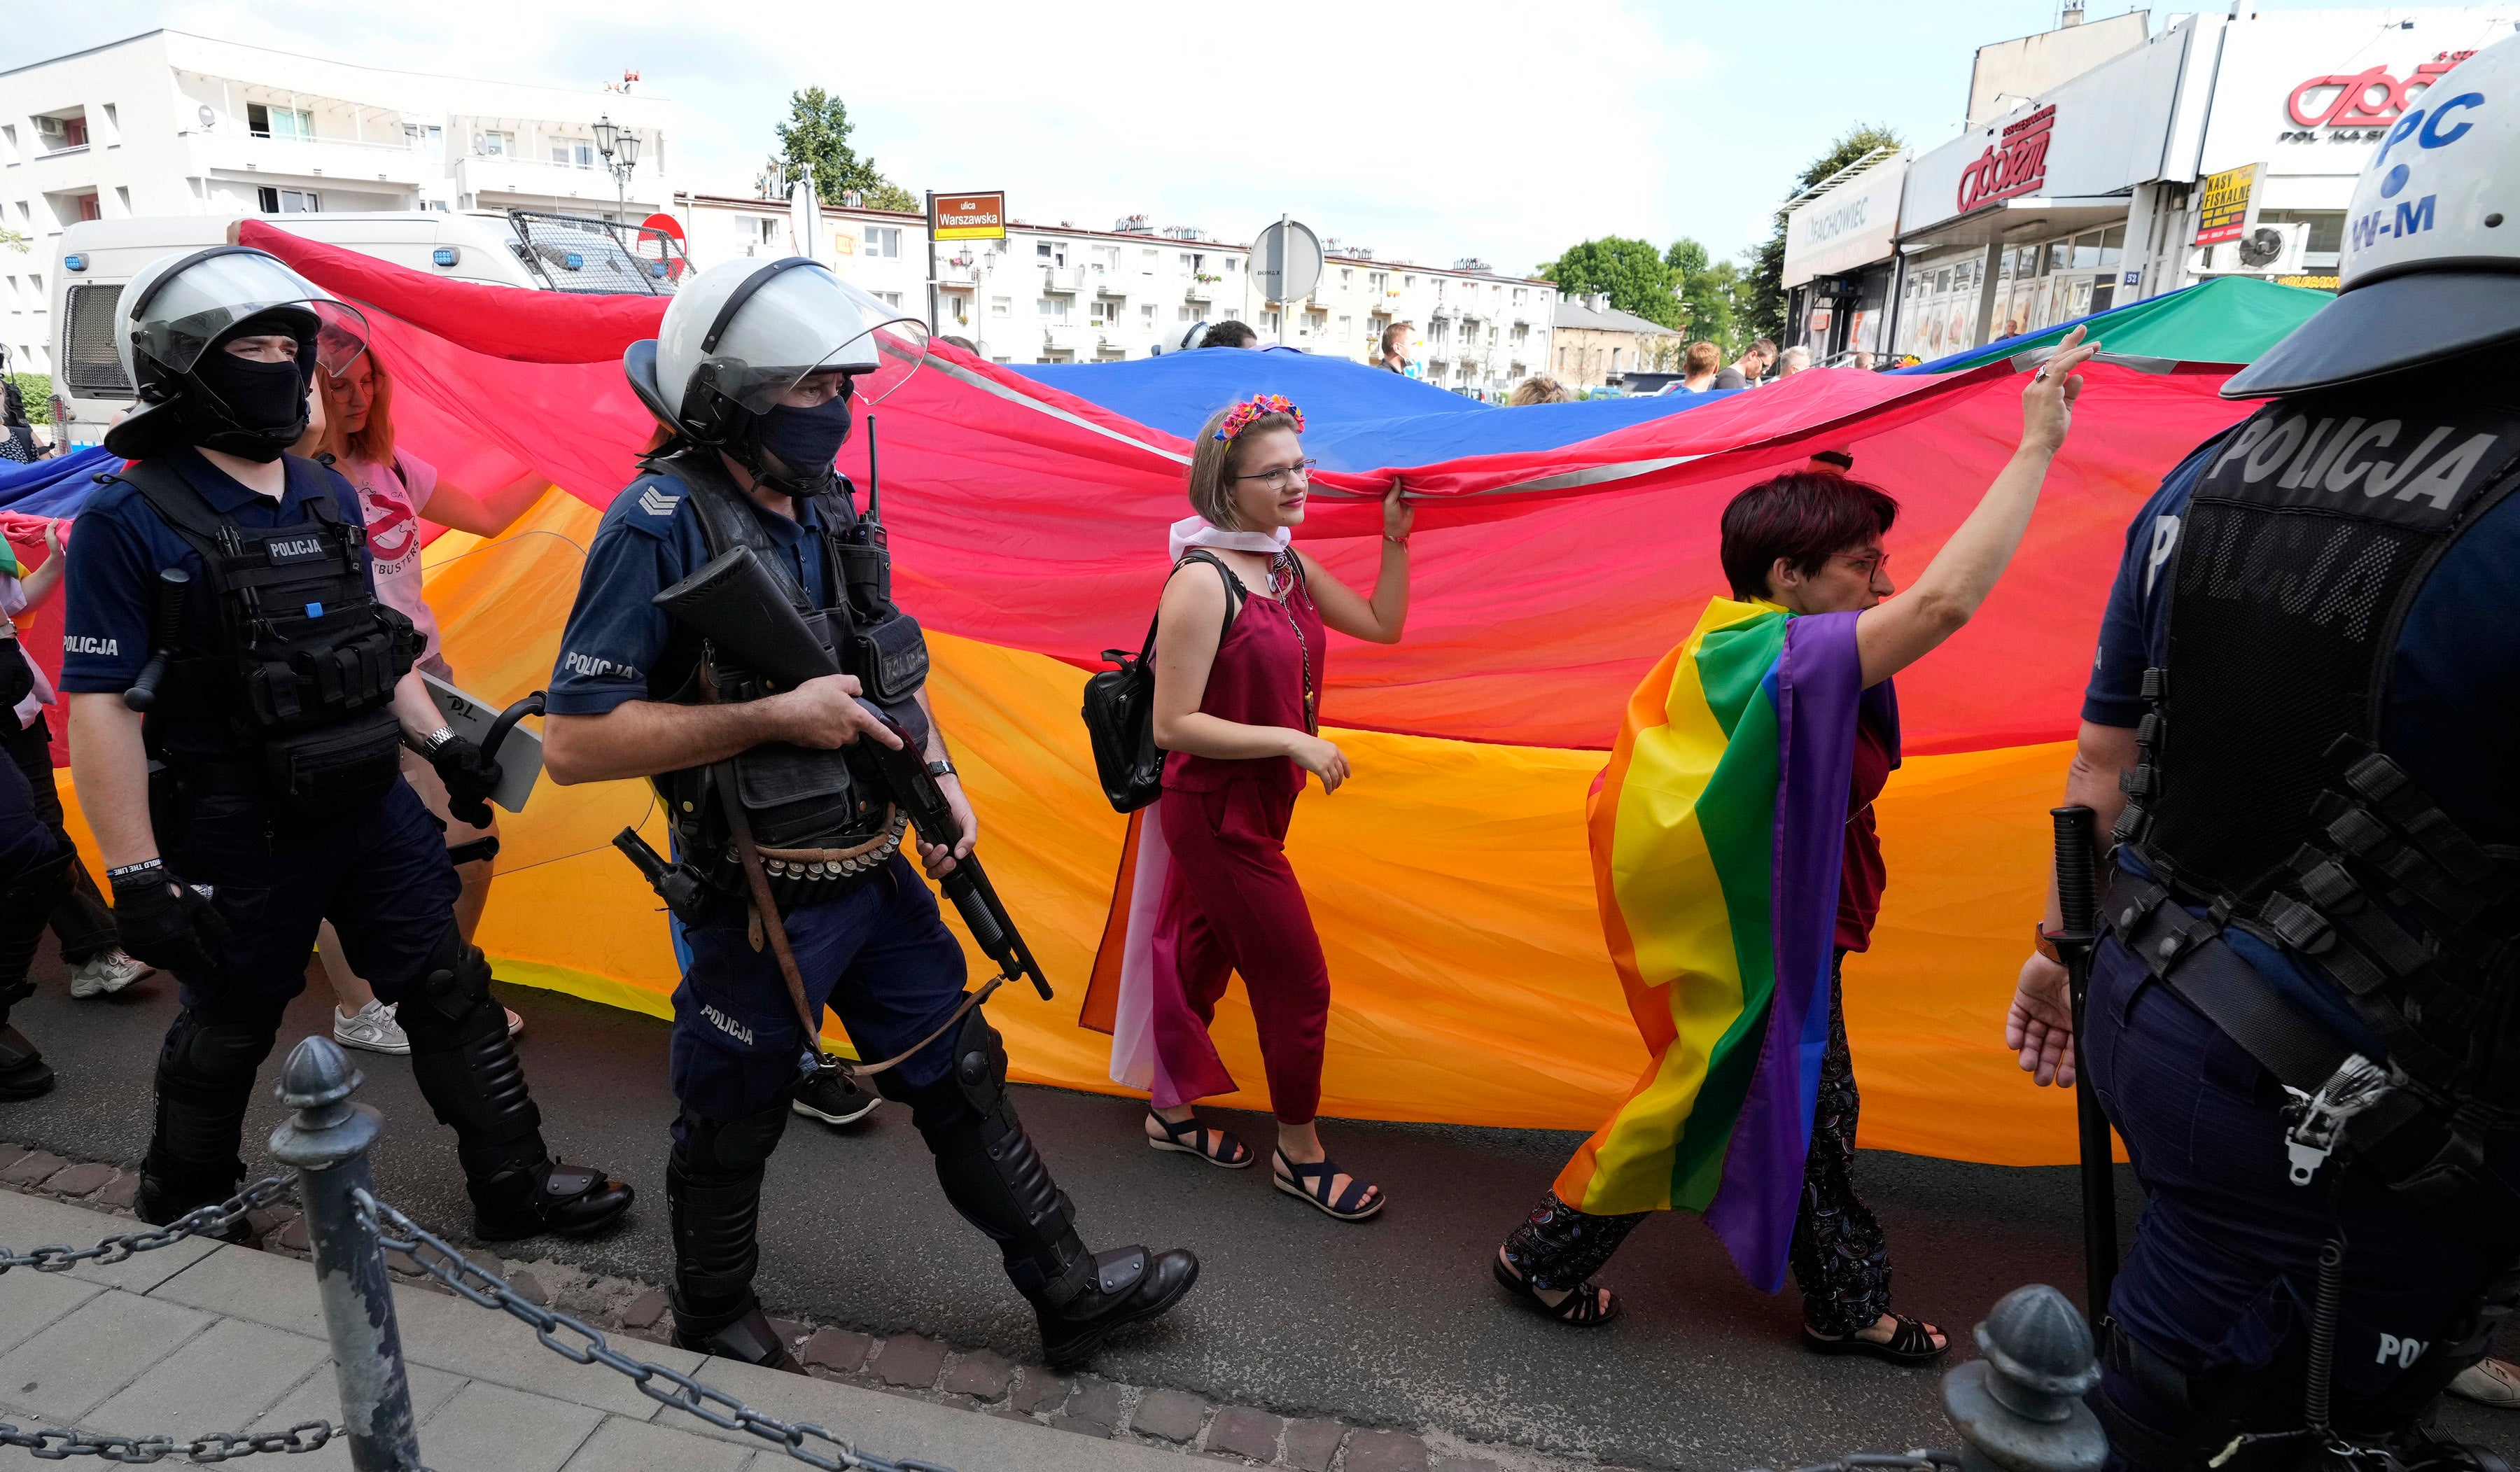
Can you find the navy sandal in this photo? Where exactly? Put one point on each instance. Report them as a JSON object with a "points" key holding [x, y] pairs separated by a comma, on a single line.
{"points": [[1312, 1183], [1191, 1138], [1913, 1343]]}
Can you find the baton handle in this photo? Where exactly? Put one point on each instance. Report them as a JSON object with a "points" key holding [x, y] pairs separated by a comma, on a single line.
{"points": [[165, 625], [2076, 884]]}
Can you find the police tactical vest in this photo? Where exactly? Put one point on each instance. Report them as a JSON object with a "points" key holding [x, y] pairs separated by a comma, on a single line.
{"points": [[822, 822], [303, 671], [2260, 793]]}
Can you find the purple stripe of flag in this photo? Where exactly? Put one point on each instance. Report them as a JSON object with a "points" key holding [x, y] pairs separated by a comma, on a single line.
{"points": [[1818, 680]]}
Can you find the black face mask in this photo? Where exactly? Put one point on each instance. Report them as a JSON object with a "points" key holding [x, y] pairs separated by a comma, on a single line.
{"points": [[265, 404], [804, 441]]}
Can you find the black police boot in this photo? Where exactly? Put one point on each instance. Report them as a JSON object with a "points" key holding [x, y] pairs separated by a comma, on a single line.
{"points": [[467, 1071], [25, 906], [206, 1074], [713, 1196], [995, 1178]]}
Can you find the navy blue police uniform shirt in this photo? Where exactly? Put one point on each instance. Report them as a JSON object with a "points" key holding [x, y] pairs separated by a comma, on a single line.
{"points": [[2452, 716], [651, 540], [116, 547]]}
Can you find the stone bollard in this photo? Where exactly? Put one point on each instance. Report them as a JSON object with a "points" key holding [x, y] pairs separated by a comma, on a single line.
{"points": [[2020, 1408], [327, 1140]]}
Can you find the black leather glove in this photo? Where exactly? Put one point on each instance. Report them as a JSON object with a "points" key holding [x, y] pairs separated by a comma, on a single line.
{"points": [[166, 922], [17, 676], [470, 776]]}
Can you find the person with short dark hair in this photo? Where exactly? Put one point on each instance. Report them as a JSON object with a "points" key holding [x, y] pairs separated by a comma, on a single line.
{"points": [[1748, 1110], [1230, 333], [1395, 349], [1749, 367]]}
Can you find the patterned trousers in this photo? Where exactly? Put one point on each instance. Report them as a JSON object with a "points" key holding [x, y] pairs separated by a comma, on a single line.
{"points": [[1841, 1258]]}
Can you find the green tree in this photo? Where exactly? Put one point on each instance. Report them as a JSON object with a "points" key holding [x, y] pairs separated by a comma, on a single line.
{"points": [[1632, 272], [1766, 297], [816, 136], [1706, 293]]}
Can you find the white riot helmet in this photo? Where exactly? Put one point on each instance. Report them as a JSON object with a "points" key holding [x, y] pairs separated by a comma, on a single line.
{"points": [[2432, 244], [738, 336], [181, 308]]}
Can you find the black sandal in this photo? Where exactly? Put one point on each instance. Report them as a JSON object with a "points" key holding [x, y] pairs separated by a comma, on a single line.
{"points": [[1310, 1183], [1583, 1307], [1215, 1146], [1911, 1344]]}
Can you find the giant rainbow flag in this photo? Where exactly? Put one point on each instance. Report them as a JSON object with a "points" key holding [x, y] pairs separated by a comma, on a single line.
{"points": [[1560, 552]]}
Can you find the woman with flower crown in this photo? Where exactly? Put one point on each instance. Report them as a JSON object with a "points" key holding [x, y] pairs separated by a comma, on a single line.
{"points": [[1239, 650]]}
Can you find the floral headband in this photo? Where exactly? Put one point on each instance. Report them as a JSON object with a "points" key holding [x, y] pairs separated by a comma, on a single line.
{"points": [[1243, 416]]}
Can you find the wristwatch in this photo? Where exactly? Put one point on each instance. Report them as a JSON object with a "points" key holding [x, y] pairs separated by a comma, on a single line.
{"points": [[942, 768], [2045, 945], [430, 743]]}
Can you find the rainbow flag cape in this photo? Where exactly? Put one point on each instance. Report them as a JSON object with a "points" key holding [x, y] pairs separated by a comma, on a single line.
{"points": [[1718, 838]]}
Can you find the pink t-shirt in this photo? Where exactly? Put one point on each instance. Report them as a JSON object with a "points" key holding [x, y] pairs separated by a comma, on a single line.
{"points": [[392, 503]]}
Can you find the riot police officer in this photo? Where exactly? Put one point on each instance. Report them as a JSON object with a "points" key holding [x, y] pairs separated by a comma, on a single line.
{"points": [[260, 794], [753, 375], [2302, 1017]]}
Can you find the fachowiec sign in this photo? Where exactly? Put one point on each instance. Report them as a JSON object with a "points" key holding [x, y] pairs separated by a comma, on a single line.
{"points": [[2015, 163]]}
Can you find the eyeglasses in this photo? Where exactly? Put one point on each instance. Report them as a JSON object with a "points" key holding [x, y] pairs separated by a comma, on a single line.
{"points": [[1276, 479], [1872, 564]]}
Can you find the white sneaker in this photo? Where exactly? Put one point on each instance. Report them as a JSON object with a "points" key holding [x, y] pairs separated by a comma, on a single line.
{"points": [[515, 1024], [2490, 1382], [106, 972], [371, 1027]]}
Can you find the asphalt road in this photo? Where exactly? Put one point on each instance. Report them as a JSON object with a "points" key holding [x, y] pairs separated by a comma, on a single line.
{"points": [[1395, 1322]]}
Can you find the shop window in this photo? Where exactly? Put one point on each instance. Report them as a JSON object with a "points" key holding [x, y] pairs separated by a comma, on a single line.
{"points": [[2060, 256], [2086, 251], [2112, 246]]}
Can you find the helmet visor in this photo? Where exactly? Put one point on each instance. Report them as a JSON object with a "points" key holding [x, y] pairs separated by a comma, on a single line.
{"points": [[209, 300], [804, 321]]}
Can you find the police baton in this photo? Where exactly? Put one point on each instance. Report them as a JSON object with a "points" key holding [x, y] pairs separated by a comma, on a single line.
{"points": [[2078, 908]]}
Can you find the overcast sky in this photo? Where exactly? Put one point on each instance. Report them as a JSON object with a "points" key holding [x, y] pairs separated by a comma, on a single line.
{"points": [[1424, 131]]}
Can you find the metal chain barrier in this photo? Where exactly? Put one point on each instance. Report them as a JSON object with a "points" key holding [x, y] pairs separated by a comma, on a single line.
{"points": [[219, 1446], [206, 1221], [397, 1233]]}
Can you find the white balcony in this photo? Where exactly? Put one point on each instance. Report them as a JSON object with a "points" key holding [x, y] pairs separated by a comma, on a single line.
{"points": [[529, 180], [234, 152], [1063, 280]]}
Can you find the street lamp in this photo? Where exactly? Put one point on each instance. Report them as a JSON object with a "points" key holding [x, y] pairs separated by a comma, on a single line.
{"points": [[621, 150]]}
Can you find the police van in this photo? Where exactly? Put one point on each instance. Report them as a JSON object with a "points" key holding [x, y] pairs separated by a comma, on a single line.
{"points": [[517, 249]]}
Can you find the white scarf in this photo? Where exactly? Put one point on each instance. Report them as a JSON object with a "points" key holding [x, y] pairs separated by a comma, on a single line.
{"points": [[1198, 531]]}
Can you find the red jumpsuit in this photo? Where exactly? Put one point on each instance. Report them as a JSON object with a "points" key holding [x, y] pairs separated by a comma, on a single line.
{"points": [[1231, 902]]}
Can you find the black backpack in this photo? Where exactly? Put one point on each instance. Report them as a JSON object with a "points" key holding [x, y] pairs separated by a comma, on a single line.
{"points": [[1120, 707]]}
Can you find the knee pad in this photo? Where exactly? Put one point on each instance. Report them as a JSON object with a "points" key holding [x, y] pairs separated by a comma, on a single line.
{"points": [[206, 1073], [465, 1065], [707, 1149]]}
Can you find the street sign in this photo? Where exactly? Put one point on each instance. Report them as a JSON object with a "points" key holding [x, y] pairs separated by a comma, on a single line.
{"points": [[1287, 261], [967, 217]]}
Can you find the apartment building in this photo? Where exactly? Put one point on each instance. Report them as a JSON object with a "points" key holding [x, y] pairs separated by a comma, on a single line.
{"points": [[1061, 294], [171, 123]]}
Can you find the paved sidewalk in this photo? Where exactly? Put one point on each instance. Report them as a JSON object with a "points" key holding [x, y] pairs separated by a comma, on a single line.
{"points": [[199, 1338]]}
